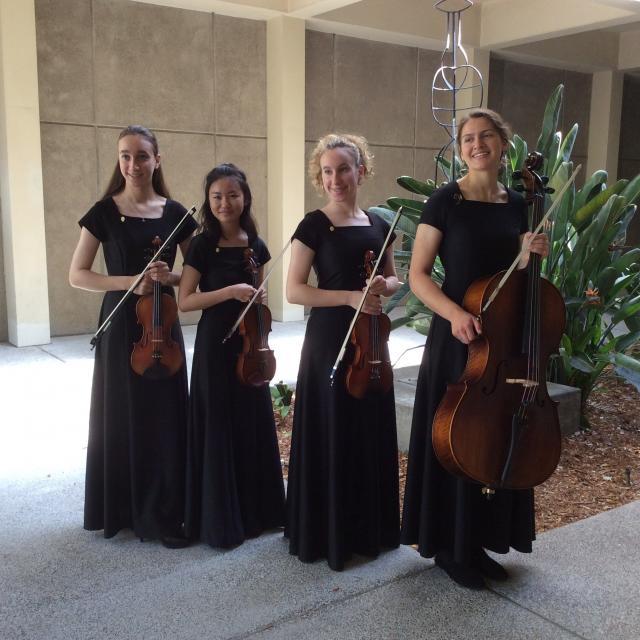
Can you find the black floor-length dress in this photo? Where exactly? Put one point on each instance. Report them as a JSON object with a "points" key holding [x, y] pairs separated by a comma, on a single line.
{"points": [[137, 427], [342, 495], [234, 474], [442, 512]]}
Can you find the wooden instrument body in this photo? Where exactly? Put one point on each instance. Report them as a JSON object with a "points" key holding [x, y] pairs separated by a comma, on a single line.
{"points": [[370, 369], [472, 426], [156, 355], [256, 364]]}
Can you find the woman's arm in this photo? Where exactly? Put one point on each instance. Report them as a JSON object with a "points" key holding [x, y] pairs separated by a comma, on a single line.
{"points": [[464, 326], [81, 276], [300, 292], [189, 299]]}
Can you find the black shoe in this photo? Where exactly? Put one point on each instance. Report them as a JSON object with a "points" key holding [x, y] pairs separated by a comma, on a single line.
{"points": [[463, 575], [487, 566], [175, 542]]}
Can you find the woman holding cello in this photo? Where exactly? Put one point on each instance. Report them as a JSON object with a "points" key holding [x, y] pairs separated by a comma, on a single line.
{"points": [[137, 425], [342, 495], [234, 476], [477, 227]]}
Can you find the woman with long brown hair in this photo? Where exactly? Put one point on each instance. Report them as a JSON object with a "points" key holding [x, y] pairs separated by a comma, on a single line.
{"points": [[137, 426]]}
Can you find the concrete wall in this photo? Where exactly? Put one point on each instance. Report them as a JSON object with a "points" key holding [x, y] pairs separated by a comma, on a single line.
{"points": [[199, 80], [196, 78], [4, 333], [381, 91], [520, 93], [629, 163]]}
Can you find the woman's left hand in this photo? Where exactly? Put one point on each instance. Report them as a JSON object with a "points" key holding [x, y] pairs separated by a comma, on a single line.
{"points": [[536, 243], [378, 286], [160, 272]]}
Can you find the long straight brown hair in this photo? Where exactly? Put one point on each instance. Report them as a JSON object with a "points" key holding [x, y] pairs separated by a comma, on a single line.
{"points": [[117, 181]]}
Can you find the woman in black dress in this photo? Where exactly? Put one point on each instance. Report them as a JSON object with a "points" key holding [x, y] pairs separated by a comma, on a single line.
{"points": [[476, 226], [342, 495], [234, 475], [137, 426]]}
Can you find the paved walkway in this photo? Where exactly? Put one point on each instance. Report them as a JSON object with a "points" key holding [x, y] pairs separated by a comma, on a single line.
{"points": [[58, 581]]}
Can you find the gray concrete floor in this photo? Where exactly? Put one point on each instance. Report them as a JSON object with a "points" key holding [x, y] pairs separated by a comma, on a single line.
{"points": [[59, 581]]}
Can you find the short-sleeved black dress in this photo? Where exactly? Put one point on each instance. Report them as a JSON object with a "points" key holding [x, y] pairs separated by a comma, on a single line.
{"points": [[342, 495], [137, 426], [234, 474], [442, 512]]}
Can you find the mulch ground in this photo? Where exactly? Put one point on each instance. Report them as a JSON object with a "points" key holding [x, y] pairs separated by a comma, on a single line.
{"points": [[599, 468]]}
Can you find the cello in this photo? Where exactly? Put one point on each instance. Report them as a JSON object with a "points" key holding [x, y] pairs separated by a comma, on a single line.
{"points": [[156, 355], [497, 425], [370, 369], [256, 364]]}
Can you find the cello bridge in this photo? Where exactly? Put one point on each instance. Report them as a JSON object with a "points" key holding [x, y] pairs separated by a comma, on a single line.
{"points": [[523, 381]]}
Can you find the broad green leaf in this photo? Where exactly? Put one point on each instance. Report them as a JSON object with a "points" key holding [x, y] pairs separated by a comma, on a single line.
{"points": [[550, 121], [622, 343], [632, 191], [627, 259], [581, 362], [567, 146], [627, 310], [583, 215], [417, 186], [592, 187], [406, 203]]}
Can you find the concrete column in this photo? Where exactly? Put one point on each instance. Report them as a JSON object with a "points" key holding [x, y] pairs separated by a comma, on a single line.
{"points": [[479, 58], [23, 230], [604, 123], [285, 148]]}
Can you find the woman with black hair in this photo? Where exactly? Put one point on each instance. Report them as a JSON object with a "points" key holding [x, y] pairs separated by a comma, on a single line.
{"points": [[234, 477], [137, 425]]}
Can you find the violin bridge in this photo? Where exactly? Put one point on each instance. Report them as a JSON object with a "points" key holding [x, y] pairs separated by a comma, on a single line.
{"points": [[523, 381]]}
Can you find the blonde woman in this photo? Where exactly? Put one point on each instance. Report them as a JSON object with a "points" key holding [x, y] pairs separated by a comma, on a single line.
{"points": [[342, 494]]}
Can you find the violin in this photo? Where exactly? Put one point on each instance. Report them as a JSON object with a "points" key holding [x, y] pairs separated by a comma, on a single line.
{"points": [[256, 364], [156, 355], [497, 425], [370, 369]]}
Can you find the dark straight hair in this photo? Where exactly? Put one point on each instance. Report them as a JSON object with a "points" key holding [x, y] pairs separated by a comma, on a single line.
{"points": [[210, 224], [117, 181]]}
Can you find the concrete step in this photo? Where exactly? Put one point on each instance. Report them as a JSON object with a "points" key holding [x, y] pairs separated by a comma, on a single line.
{"points": [[405, 380]]}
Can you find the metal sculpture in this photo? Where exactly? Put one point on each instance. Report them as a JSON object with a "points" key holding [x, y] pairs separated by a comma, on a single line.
{"points": [[454, 77]]}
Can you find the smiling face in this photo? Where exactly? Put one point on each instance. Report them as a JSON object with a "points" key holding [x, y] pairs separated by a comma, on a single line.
{"points": [[340, 174], [226, 201], [137, 160], [481, 146]]}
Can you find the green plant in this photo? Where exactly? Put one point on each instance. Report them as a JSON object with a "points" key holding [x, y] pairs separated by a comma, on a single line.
{"points": [[597, 274], [281, 396]]}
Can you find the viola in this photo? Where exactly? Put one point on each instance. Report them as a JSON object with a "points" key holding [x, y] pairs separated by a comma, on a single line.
{"points": [[256, 364], [370, 370], [497, 425], [156, 355]]}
